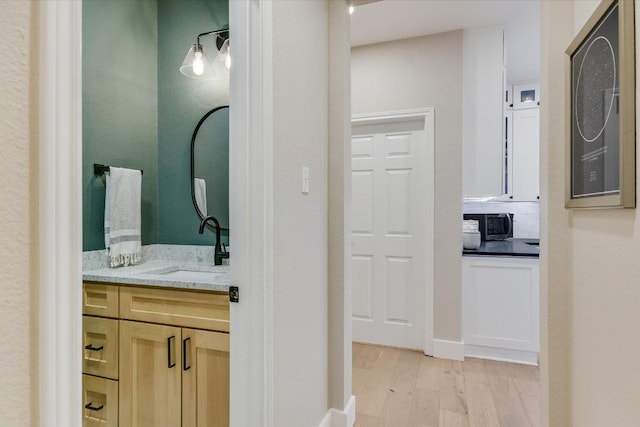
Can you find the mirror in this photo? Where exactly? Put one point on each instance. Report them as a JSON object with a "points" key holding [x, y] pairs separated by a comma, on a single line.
{"points": [[210, 166]]}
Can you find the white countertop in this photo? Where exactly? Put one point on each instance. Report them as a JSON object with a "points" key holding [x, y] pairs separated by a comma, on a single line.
{"points": [[166, 273]]}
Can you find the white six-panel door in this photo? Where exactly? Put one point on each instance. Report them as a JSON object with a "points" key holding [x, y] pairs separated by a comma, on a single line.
{"points": [[392, 185]]}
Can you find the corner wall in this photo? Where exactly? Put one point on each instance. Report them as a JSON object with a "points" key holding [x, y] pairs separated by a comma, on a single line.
{"points": [[414, 73], [19, 45], [590, 276], [300, 112]]}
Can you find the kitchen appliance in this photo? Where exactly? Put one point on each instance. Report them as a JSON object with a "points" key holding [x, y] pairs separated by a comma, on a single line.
{"points": [[493, 226]]}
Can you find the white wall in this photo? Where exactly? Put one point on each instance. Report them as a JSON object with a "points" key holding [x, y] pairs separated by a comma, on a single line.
{"points": [[590, 294], [425, 72], [300, 138], [19, 211], [339, 302]]}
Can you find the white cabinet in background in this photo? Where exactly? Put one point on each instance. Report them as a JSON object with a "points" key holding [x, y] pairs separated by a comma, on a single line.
{"points": [[525, 95], [500, 308], [524, 159], [482, 111]]}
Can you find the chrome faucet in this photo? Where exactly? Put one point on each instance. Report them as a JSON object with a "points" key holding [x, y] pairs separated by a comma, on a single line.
{"points": [[220, 250]]}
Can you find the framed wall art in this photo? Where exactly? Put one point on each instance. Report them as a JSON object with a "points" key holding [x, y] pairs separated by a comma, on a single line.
{"points": [[600, 110]]}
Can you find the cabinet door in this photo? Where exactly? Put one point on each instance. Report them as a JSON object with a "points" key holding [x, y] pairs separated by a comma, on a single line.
{"points": [[100, 347], [482, 111], [500, 303], [99, 401], [150, 375], [526, 154], [205, 379]]}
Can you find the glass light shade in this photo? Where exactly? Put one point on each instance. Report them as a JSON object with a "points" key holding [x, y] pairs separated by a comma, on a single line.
{"points": [[222, 62], [196, 64]]}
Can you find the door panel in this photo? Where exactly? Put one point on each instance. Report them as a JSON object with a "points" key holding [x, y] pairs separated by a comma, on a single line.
{"points": [[205, 388], [389, 223], [150, 375]]}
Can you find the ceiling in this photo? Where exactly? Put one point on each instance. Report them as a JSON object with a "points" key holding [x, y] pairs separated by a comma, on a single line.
{"points": [[389, 20]]}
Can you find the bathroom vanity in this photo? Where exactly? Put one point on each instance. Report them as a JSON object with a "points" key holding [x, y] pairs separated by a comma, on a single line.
{"points": [[156, 345]]}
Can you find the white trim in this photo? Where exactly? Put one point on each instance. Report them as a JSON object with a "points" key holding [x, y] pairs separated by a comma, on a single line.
{"points": [[343, 418], [427, 115], [392, 116], [60, 214], [250, 214], [453, 350], [346, 417], [326, 420], [502, 354]]}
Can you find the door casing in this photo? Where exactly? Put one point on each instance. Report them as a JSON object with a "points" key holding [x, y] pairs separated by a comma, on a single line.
{"points": [[427, 115]]}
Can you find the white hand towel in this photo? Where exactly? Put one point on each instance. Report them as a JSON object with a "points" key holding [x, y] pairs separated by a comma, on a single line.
{"points": [[122, 218], [200, 187]]}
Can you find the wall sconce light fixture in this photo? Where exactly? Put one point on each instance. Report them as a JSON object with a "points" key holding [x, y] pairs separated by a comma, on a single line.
{"points": [[197, 64]]}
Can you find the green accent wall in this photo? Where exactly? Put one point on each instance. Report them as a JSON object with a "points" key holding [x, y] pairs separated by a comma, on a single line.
{"points": [[182, 101], [139, 112], [119, 106]]}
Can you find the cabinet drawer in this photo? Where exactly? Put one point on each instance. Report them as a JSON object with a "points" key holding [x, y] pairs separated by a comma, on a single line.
{"points": [[100, 300], [100, 346], [99, 402], [199, 310]]}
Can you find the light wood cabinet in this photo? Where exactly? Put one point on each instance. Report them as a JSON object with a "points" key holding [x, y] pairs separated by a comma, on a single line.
{"points": [[99, 401], [100, 300], [163, 360], [150, 376], [180, 308], [100, 347], [205, 379]]}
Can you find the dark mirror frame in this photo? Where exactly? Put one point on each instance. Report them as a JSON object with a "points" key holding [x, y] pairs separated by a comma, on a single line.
{"points": [[193, 146]]}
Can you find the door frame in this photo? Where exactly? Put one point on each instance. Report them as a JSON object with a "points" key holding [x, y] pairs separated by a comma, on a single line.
{"points": [[59, 334], [426, 115], [59, 248]]}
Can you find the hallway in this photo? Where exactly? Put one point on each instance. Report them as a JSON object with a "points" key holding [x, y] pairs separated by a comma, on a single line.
{"points": [[401, 388]]}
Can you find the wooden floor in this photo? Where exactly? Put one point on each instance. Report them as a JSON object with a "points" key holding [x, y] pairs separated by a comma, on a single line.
{"points": [[401, 388]]}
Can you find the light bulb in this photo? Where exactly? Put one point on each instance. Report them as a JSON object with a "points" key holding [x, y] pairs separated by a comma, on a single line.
{"points": [[198, 64], [352, 9]]}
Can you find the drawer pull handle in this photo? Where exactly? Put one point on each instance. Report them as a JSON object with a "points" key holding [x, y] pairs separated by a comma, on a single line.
{"points": [[170, 362], [90, 347], [184, 354], [90, 407]]}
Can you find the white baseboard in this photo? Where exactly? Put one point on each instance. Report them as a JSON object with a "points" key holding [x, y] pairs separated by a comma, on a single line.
{"points": [[453, 350], [502, 354], [343, 418]]}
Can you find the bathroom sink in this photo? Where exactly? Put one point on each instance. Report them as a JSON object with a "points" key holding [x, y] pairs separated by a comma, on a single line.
{"points": [[187, 275], [188, 272]]}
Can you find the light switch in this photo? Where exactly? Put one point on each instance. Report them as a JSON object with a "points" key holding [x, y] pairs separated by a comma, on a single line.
{"points": [[305, 180]]}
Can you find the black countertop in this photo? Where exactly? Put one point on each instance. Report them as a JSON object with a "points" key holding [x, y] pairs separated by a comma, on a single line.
{"points": [[509, 247]]}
